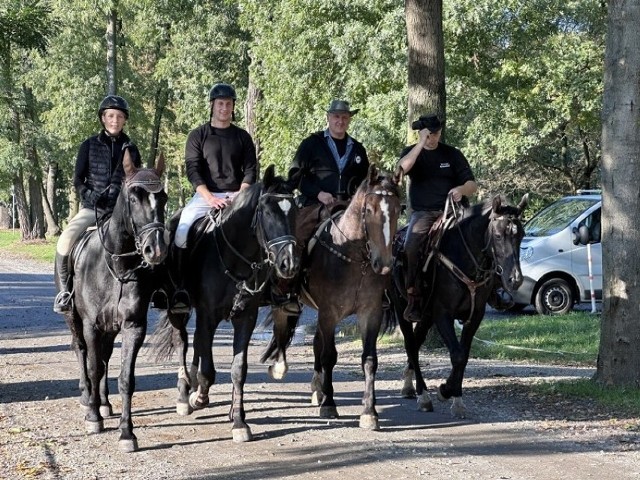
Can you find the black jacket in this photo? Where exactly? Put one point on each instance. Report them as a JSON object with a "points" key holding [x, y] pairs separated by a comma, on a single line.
{"points": [[319, 170], [99, 172]]}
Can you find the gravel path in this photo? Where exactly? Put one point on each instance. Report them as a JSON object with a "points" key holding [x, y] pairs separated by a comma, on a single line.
{"points": [[512, 432]]}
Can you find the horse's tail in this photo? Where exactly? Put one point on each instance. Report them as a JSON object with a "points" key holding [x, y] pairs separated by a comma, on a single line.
{"points": [[284, 329], [162, 339]]}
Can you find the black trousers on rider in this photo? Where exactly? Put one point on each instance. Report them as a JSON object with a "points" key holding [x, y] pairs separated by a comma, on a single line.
{"points": [[420, 224]]}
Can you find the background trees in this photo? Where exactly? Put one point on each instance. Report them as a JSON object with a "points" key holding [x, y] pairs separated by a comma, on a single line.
{"points": [[523, 83]]}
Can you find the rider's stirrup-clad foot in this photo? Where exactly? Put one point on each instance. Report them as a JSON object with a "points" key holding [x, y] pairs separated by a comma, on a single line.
{"points": [[180, 303], [62, 302], [412, 313]]}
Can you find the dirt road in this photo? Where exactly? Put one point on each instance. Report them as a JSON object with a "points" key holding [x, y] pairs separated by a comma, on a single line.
{"points": [[511, 431]]}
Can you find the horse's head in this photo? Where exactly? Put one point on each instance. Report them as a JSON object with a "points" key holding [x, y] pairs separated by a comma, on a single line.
{"points": [[506, 232], [275, 224], [379, 200], [143, 199]]}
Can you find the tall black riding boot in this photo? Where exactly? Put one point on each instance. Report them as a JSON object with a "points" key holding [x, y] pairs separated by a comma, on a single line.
{"points": [[62, 302], [180, 301]]}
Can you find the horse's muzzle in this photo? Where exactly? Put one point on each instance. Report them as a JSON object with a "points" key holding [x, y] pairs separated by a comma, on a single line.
{"points": [[287, 262]]}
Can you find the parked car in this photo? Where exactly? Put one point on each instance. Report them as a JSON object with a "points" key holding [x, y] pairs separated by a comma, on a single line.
{"points": [[553, 255]]}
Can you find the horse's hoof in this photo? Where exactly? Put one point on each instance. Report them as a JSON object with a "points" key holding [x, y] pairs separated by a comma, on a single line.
{"points": [[316, 398], [328, 412], [424, 403], [278, 371], [183, 409], [93, 427], [128, 446], [458, 408], [408, 392], [441, 397], [106, 411], [241, 435], [197, 404], [369, 422]]}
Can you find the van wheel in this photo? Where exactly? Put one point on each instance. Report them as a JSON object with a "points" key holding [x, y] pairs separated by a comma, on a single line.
{"points": [[555, 297]]}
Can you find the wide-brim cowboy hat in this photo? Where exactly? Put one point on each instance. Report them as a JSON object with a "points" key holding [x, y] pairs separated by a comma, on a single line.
{"points": [[341, 106]]}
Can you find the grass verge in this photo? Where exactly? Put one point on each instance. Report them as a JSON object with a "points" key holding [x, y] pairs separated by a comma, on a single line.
{"points": [[42, 250]]}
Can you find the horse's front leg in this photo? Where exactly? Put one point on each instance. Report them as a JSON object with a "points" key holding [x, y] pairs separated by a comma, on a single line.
{"points": [[203, 372], [369, 328], [94, 367], [413, 341], [326, 357], [459, 356], [133, 334], [243, 326]]}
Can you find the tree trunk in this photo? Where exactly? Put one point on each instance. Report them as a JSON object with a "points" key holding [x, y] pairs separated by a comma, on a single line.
{"points": [[112, 46], [22, 207], [253, 98], [426, 87], [619, 355], [162, 97], [36, 201]]}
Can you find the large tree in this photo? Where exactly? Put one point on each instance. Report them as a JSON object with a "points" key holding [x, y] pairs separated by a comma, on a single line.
{"points": [[619, 356]]}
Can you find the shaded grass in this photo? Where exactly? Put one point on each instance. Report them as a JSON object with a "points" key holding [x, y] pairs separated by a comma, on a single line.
{"points": [[41, 250]]}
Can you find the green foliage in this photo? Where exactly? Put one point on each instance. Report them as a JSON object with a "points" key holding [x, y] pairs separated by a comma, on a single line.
{"points": [[627, 399]]}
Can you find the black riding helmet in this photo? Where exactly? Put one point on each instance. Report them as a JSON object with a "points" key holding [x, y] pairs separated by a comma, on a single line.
{"points": [[113, 101], [222, 90]]}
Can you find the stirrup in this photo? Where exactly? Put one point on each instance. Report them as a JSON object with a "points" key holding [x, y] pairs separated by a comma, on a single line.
{"points": [[62, 302], [180, 302], [413, 312], [159, 300]]}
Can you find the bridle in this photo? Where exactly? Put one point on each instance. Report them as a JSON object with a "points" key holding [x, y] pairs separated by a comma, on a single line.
{"points": [[365, 261], [483, 275], [270, 250], [151, 183]]}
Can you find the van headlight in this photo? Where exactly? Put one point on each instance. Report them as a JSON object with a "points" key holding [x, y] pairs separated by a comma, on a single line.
{"points": [[526, 253]]}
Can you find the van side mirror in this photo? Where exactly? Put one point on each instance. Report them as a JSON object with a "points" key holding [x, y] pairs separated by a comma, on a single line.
{"points": [[581, 235]]}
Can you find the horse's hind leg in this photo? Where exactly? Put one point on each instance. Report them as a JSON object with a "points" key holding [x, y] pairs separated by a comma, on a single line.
{"points": [[106, 410], [132, 339], [284, 325], [203, 372], [180, 340]]}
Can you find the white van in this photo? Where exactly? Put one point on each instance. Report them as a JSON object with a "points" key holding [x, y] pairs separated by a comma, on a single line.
{"points": [[554, 262]]}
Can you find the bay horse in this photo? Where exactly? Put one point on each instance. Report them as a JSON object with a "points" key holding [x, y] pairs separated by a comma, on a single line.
{"points": [[346, 272], [230, 266], [481, 248], [113, 268]]}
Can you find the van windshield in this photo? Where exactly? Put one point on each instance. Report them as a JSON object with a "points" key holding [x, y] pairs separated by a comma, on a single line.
{"points": [[557, 216]]}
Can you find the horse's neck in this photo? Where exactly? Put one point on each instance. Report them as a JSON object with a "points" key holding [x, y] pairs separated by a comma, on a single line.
{"points": [[349, 228], [468, 241], [115, 236]]}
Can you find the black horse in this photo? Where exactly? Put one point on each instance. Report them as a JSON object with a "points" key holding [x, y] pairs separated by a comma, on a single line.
{"points": [[346, 272], [112, 277], [480, 248], [231, 265]]}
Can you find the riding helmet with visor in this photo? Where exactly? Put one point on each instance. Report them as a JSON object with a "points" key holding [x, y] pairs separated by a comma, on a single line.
{"points": [[115, 102], [222, 90]]}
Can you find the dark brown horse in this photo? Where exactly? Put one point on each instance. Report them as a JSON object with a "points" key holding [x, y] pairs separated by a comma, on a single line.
{"points": [[479, 249], [346, 273], [113, 269]]}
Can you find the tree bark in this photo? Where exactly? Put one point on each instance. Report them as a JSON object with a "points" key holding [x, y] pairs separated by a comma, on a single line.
{"points": [[112, 53], [619, 356], [426, 87], [254, 94]]}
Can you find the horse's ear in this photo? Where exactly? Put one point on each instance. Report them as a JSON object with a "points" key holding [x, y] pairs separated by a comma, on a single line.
{"points": [[523, 203], [160, 164], [497, 203], [269, 175], [127, 163], [373, 174]]}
